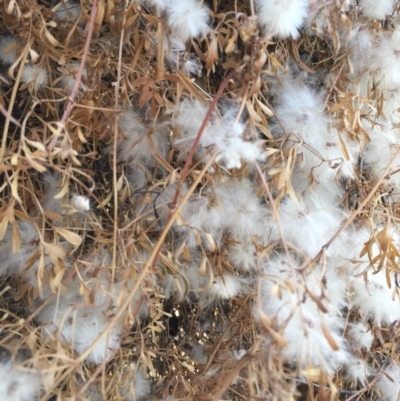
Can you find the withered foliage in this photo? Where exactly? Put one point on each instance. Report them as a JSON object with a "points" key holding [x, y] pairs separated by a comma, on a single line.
{"points": [[116, 61]]}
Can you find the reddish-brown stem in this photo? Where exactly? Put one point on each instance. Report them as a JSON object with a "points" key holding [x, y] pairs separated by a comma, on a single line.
{"points": [[192, 151], [71, 99], [197, 139]]}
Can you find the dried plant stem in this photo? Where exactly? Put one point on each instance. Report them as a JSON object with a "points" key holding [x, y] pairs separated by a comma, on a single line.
{"points": [[192, 151], [71, 99], [274, 211], [356, 212], [252, 8], [88, 190], [333, 86], [100, 369], [8, 116], [152, 257], [240, 365], [115, 178], [11, 104]]}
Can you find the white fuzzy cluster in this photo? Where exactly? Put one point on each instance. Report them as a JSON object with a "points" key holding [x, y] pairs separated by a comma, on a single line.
{"points": [[358, 371], [306, 307], [376, 9], [361, 337], [68, 315], [223, 133], [142, 139], [324, 155], [289, 298], [175, 51], [68, 77], [187, 19], [35, 75], [282, 18], [307, 225], [375, 58], [8, 50], [82, 319], [18, 383], [385, 141], [388, 384], [229, 239]]}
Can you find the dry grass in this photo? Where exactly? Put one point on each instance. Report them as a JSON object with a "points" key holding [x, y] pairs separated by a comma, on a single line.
{"points": [[121, 65]]}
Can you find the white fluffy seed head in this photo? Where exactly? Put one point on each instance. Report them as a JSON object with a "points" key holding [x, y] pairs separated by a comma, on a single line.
{"points": [[374, 299], [384, 61], [222, 288], [223, 133], [87, 334], [17, 384], [357, 371], [8, 50], [187, 19], [376, 9], [81, 203], [300, 109], [226, 286], [282, 18], [36, 75], [371, 295], [388, 384], [244, 213], [361, 337], [134, 386], [159, 5], [299, 317], [67, 80], [201, 222], [142, 139], [243, 256], [385, 141], [307, 225], [323, 153], [15, 262], [361, 43]]}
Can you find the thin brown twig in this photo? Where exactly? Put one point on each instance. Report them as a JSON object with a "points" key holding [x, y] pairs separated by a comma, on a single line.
{"points": [[252, 8], [274, 211], [192, 151], [71, 99], [358, 211], [7, 115], [239, 366], [152, 257], [12, 101], [116, 130], [333, 86]]}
